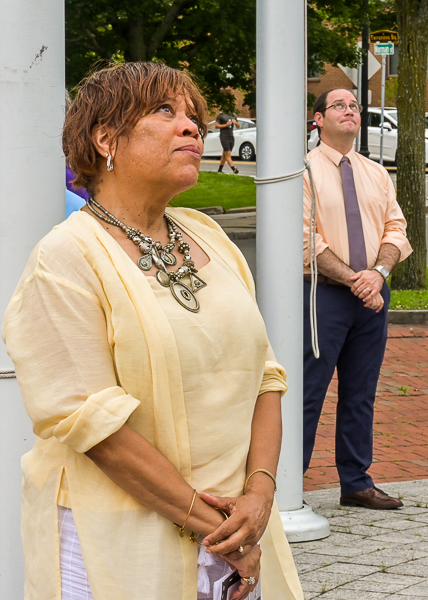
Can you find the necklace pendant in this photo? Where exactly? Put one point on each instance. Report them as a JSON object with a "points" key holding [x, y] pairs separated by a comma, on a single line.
{"points": [[145, 262], [158, 262], [163, 278], [184, 296], [196, 283], [168, 258]]}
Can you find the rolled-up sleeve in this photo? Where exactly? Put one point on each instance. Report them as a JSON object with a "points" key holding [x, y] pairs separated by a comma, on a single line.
{"points": [[56, 334], [395, 224], [274, 376], [320, 243]]}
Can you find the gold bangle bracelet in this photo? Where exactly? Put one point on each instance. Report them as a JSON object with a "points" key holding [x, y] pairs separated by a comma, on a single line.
{"points": [[181, 528], [260, 471]]}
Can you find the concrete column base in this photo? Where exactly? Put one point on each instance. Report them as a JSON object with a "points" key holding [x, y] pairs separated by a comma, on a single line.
{"points": [[304, 525]]}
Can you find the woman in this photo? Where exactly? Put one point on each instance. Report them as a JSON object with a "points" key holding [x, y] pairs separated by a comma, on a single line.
{"points": [[144, 364]]}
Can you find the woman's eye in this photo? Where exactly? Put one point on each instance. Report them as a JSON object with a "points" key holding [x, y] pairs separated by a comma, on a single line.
{"points": [[194, 119], [166, 108]]}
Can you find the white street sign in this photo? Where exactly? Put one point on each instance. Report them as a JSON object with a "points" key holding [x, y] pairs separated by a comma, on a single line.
{"points": [[384, 48]]}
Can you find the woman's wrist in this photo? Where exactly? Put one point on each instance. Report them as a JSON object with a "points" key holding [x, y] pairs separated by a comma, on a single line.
{"points": [[262, 485], [204, 519]]}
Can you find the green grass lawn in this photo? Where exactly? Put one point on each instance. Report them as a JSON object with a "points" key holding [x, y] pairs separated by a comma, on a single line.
{"points": [[218, 189], [409, 299]]}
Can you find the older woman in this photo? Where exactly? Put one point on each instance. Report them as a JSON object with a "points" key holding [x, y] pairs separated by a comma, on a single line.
{"points": [[145, 367]]}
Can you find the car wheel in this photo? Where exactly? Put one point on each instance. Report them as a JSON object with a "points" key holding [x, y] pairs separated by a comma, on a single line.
{"points": [[247, 152]]}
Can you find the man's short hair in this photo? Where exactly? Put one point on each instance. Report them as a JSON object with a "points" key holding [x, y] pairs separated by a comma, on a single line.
{"points": [[320, 103]]}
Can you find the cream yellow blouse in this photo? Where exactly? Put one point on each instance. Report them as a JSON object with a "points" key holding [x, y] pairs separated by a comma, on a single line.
{"points": [[96, 344]]}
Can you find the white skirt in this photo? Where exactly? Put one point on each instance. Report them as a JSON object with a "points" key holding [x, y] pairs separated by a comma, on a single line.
{"points": [[74, 579]]}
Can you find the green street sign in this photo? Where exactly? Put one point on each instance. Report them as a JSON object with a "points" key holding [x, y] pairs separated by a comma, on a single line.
{"points": [[384, 49]]}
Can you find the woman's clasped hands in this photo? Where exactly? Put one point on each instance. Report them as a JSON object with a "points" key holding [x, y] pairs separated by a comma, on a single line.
{"points": [[236, 540]]}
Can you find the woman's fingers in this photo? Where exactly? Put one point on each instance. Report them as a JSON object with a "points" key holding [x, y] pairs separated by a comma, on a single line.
{"points": [[226, 529], [231, 544], [223, 503], [243, 591], [249, 568]]}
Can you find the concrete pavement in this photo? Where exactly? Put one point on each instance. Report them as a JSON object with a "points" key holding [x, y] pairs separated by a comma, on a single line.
{"points": [[370, 555]]}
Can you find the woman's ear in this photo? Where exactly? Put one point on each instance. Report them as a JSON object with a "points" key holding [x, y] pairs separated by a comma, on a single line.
{"points": [[101, 140]]}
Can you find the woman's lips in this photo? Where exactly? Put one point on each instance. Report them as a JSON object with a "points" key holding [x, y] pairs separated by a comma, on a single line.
{"points": [[194, 150]]}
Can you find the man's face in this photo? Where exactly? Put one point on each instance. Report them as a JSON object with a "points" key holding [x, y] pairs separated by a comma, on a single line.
{"points": [[335, 124]]}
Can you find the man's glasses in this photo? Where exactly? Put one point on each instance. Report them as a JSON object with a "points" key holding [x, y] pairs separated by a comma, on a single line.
{"points": [[341, 107]]}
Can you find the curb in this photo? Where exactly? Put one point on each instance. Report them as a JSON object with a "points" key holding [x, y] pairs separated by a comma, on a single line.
{"points": [[408, 317]]}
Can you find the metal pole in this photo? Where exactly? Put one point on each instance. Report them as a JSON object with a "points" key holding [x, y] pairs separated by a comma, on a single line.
{"points": [[359, 77], [364, 148], [281, 106], [382, 110], [32, 199]]}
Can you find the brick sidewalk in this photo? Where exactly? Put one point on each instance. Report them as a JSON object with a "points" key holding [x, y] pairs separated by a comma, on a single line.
{"points": [[401, 416]]}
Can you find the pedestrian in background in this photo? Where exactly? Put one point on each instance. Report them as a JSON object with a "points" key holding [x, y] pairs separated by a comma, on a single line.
{"points": [[225, 123], [360, 237]]}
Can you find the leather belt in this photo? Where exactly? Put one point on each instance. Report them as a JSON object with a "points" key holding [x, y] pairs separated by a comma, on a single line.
{"points": [[324, 279]]}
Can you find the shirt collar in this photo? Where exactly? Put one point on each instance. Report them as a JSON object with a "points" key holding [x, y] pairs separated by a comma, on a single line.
{"points": [[334, 155]]}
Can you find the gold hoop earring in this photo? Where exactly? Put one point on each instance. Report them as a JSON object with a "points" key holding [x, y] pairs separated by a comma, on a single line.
{"points": [[110, 165]]}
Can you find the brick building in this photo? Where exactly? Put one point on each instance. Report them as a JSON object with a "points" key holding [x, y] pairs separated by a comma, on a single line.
{"points": [[335, 77]]}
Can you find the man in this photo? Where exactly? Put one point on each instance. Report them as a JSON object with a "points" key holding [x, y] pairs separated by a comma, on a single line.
{"points": [[225, 123], [360, 237]]}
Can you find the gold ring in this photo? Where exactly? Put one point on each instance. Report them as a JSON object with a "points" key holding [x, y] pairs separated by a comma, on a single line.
{"points": [[240, 548], [249, 580]]}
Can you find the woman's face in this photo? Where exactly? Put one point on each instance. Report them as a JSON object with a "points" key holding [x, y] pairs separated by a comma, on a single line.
{"points": [[163, 150]]}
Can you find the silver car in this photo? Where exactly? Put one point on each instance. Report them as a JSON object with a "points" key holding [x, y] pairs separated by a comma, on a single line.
{"points": [[245, 140]]}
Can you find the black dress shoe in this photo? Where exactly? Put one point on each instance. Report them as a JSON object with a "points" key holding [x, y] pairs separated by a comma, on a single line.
{"points": [[371, 498]]}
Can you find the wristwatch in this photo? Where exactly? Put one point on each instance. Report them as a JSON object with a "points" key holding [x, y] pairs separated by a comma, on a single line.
{"points": [[383, 271]]}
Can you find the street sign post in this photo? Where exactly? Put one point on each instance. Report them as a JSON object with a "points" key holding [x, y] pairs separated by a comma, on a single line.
{"points": [[383, 46]]}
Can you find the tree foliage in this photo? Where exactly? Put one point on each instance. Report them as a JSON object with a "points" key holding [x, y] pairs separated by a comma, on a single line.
{"points": [[214, 39], [412, 20], [334, 29]]}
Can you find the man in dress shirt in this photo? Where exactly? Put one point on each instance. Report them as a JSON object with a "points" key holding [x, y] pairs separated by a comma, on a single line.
{"points": [[360, 237]]}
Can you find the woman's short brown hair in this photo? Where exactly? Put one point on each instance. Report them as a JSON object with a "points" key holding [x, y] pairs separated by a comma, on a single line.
{"points": [[117, 97]]}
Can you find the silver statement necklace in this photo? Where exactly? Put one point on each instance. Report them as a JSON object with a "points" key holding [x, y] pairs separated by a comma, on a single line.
{"points": [[153, 253]]}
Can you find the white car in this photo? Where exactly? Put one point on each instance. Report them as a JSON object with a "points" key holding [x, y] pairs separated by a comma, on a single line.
{"points": [[245, 140], [389, 134]]}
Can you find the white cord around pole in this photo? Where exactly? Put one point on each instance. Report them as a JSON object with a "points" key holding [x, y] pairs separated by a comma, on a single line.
{"points": [[313, 216], [313, 263], [7, 374], [262, 180]]}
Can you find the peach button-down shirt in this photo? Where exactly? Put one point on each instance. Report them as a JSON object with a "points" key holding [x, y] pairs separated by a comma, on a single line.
{"points": [[382, 219]]}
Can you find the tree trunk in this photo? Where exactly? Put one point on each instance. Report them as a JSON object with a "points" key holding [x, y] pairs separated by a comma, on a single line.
{"points": [[412, 19]]}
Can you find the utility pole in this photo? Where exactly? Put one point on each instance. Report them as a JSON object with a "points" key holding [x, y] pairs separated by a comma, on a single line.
{"points": [[32, 200], [280, 235], [364, 147]]}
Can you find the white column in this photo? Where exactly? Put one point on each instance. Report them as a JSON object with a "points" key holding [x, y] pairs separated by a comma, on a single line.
{"points": [[281, 133], [32, 200]]}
